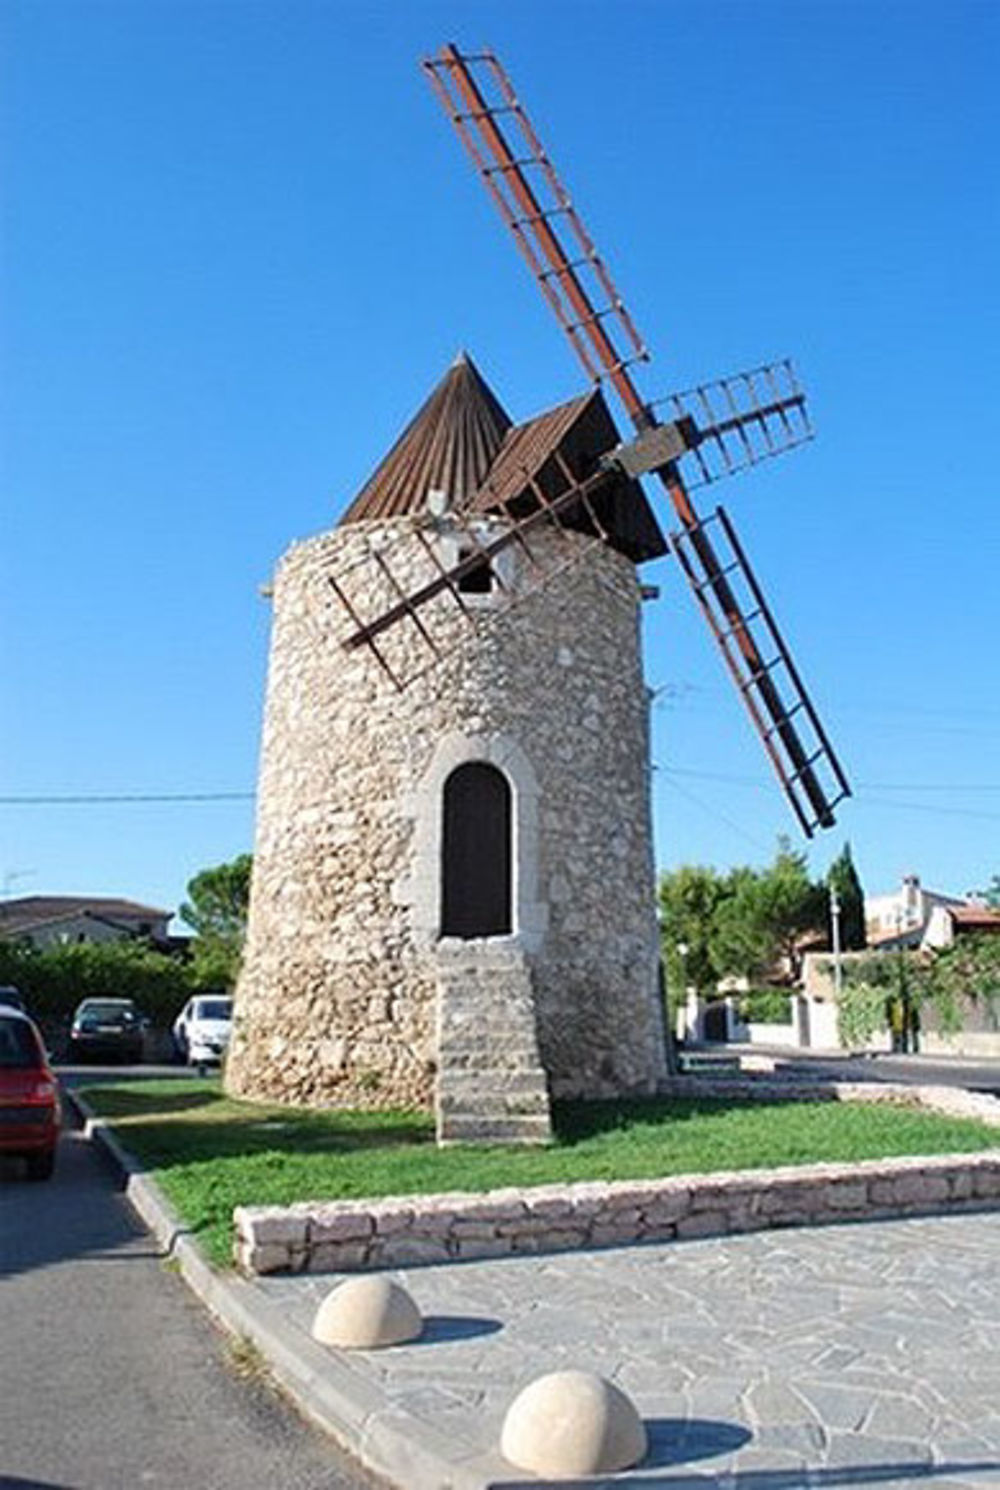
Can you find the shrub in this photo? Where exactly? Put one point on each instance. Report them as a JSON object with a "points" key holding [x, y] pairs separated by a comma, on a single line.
{"points": [[861, 1013], [766, 1006], [55, 979]]}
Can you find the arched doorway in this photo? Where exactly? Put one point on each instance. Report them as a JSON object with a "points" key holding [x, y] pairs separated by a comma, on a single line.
{"points": [[476, 853]]}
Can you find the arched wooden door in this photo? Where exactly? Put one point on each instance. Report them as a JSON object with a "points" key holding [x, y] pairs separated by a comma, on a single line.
{"points": [[476, 856]]}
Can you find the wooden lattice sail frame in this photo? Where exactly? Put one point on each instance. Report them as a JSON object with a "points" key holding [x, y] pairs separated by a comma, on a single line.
{"points": [[686, 441]]}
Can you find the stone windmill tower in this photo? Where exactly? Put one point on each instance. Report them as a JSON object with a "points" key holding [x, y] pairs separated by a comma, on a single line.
{"points": [[453, 893], [453, 897]]}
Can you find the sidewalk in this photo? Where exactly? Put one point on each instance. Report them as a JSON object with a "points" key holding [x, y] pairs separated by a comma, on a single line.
{"points": [[844, 1356]]}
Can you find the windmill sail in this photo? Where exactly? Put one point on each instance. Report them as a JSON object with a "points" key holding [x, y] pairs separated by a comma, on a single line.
{"points": [[722, 426]]}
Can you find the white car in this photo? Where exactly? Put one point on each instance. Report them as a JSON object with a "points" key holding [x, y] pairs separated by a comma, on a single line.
{"points": [[202, 1029]]}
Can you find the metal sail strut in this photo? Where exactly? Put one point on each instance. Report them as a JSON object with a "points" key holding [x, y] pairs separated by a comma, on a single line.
{"points": [[477, 95]]}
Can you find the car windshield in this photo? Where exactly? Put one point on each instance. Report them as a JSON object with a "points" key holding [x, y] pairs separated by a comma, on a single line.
{"points": [[18, 1047], [107, 1014], [214, 1009]]}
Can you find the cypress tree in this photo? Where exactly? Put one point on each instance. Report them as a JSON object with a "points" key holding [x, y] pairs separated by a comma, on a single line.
{"points": [[843, 877]]}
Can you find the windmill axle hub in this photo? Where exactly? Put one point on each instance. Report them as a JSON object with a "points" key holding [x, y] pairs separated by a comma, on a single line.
{"points": [[654, 448]]}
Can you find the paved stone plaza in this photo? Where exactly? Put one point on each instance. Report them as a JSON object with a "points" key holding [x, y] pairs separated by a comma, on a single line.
{"points": [[851, 1355]]}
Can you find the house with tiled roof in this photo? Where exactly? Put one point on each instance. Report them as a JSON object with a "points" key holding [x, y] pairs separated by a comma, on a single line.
{"points": [[949, 922], [899, 919], [54, 920]]}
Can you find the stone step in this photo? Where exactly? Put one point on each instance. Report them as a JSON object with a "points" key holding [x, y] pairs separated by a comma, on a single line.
{"points": [[491, 1087], [486, 1058], [475, 1082], [483, 1026], [474, 1129], [519, 1103]]}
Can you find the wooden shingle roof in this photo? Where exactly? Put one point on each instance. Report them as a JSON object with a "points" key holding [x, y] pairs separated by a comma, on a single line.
{"points": [[462, 443], [448, 446]]}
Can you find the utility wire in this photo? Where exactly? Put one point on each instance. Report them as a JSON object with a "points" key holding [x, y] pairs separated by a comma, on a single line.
{"points": [[864, 786], [96, 798], [714, 812], [863, 793]]}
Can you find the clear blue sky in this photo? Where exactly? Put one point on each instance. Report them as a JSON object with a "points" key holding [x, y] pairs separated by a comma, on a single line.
{"points": [[241, 246]]}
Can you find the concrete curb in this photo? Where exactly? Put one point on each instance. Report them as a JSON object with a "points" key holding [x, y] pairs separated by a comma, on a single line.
{"points": [[399, 1449]]}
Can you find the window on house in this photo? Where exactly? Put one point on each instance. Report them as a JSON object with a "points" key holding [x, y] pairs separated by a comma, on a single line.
{"points": [[476, 853]]}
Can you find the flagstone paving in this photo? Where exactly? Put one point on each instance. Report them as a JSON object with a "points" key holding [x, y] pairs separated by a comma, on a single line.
{"points": [[846, 1355]]}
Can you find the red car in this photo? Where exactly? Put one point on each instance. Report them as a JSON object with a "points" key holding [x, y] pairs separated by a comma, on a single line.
{"points": [[29, 1096]]}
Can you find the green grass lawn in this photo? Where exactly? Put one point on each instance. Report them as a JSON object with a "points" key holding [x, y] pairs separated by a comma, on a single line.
{"points": [[209, 1153]]}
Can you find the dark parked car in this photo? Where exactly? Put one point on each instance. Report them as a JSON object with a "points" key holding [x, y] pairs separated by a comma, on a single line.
{"points": [[106, 1029], [29, 1097], [10, 998]]}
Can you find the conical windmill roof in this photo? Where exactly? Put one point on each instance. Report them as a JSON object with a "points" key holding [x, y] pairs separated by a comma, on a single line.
{"points": [[448, 446], [462, 443]]}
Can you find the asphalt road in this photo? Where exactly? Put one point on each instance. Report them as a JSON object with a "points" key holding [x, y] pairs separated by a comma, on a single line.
{"points": [[111, 1375], [924, 1070]]}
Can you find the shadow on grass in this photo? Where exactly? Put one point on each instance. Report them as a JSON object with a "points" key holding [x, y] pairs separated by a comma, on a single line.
{"points": [[576, 1121], [138, 1100], [165, 1126]]}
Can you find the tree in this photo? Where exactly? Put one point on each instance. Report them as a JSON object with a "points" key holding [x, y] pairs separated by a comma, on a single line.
{"points": [[992, 893], [967, 970], [843, 878], [743, 945], [688, 900], [217, 913], [765, 914], [869, 994]]}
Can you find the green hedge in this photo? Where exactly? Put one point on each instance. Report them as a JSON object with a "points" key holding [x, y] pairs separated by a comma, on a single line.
{"points": [[766, 1006], [54, 980]]}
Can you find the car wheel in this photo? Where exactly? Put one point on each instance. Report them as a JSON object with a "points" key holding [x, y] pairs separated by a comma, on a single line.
{"points": [[41, 1166]]}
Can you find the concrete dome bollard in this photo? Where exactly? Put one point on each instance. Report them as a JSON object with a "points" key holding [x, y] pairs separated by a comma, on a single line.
{"points": [[572, 1423], [366, 1314]]}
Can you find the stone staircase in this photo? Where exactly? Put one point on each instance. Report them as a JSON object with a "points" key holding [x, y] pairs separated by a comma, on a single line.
{"points": [[491, 1086]]}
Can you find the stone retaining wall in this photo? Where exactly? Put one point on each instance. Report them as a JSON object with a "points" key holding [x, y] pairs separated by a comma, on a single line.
{"points": [[346, 1236]]}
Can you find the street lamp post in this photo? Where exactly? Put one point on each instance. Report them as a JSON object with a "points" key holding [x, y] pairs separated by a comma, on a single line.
{"points": [[682, 951], [838, 971]]}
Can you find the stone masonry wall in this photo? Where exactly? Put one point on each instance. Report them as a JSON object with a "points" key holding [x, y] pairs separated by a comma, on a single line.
{"points": [[336, 1001]]}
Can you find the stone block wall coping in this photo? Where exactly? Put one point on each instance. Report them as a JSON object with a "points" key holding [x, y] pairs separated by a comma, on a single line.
{"points": [[402, 1231]]}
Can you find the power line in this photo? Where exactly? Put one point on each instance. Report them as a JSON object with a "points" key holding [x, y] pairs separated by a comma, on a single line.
{"points": [[862, 794], [861, 786], [87, 799], [714, 812]]}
